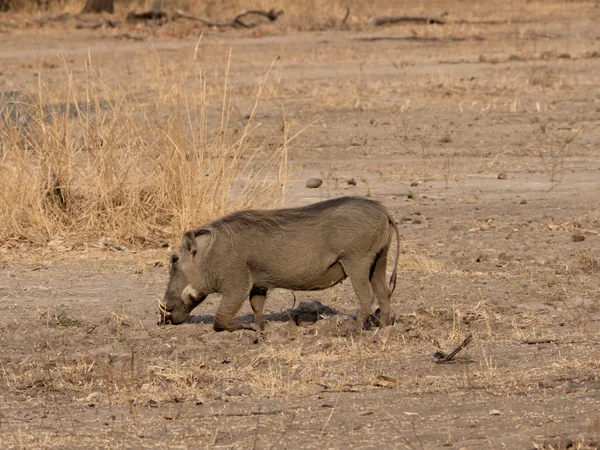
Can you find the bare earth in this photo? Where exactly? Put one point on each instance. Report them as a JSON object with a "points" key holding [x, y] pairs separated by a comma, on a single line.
{"points": [[424, 119]]}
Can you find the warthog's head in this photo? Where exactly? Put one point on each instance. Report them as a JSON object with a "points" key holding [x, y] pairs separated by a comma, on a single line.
{"points": [[186, 285]]}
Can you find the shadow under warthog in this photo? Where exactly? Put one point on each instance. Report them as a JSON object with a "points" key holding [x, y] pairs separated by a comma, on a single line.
{"points": [[305, 313]]}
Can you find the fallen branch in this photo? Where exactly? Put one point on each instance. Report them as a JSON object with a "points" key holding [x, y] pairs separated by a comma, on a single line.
{"points": [[390, 20], [211, 23], [409, 38], [237, 21], [91, 25], [247, 414], [158, 17], [538, 341], [346, 16], [441, 358], [114, 245], [58, 18]]}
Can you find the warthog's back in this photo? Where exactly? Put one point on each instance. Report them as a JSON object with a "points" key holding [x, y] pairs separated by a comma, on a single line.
{"points": [[335, 215], [299, 248]]}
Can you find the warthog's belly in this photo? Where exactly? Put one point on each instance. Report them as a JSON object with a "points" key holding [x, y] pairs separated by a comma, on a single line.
{"points": [[316, 279]]}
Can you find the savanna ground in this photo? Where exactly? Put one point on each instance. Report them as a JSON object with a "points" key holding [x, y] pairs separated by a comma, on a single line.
{"points": [[115, 140]]}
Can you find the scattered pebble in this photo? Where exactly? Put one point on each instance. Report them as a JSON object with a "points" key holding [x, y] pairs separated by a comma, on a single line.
{"points": [[414, 334], [523, 202], [494, 412], [351, 182], [313, 183], [578, 238], [414, 184], [502, 176], [238, 391], [446, 139]]}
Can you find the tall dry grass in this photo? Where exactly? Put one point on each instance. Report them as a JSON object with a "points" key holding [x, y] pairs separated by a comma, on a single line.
{"points": [[95, 161]]}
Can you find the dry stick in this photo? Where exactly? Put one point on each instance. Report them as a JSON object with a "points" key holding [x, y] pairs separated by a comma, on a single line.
{"points": [[538, 341], [272, 15], [442, 358], [390, 20], [346, 16], [248, 414], [58, 18], [198, 45], [330, 414]]}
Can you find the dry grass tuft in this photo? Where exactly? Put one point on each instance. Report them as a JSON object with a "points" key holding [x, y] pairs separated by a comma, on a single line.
{"points": [[95, 160]]}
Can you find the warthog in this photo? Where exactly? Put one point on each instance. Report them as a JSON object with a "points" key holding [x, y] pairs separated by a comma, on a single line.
{"points": [[314, 247]]}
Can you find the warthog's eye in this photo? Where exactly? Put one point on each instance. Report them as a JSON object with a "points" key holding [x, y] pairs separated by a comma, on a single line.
{"points": [[174, 259]]}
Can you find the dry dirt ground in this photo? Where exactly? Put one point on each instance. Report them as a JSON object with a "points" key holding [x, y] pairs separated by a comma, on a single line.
{"points": [[424, 119]]}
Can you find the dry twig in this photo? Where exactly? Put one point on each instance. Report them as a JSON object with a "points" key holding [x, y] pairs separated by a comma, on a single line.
{"points": [[441, 358], [538, 341], [345, 16], [391, 20], [237, 21]]}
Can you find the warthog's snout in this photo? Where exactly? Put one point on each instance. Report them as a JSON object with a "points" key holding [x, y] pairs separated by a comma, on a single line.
{"points": [[176, 311]]}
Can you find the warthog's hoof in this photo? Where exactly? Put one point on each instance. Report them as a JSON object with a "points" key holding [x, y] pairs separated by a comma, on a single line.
{"points": [[252, 326]]}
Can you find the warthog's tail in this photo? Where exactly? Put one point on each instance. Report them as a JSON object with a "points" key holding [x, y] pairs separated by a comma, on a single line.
{"points": [[392, 284]]}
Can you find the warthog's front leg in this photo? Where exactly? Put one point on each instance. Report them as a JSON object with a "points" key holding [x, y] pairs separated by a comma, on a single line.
{"points": [[232, 299], [258, 296]]}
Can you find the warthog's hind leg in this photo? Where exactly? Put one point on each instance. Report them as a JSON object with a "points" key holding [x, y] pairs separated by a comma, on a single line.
{"points": [[258, 296], [380, 287], [358, 272]]}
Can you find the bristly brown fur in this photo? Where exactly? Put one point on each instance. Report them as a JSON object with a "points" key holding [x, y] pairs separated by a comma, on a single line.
{"points": [[309, 248]]}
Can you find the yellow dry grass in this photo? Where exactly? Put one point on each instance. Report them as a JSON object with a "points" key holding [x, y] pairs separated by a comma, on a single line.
{"points": [[89, 159]]}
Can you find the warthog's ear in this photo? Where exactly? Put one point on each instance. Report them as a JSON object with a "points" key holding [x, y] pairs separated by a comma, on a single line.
{"points": [[189, 239], [189, 242], [201, 231]]}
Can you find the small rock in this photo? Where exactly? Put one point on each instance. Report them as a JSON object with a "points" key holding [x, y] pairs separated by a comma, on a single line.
{"points": [[445, 140], [523, 202], [238, 391], [414, 184], [403, 327], [414, 334], [494, 412], [351, 182], [313, 183], [578, 238], [502, 176]]}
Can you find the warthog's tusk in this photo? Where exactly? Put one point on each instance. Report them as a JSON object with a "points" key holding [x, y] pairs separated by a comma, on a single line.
{"points": [[188, 295], [162, 309]]}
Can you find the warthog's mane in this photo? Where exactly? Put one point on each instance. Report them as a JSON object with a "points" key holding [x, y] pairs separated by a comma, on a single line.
{"points": [[272, 219]]}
